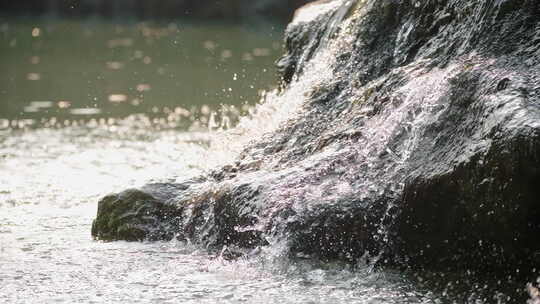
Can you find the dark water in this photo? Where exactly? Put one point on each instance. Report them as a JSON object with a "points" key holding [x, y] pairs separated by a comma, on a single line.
{"points": [[72, 69]]}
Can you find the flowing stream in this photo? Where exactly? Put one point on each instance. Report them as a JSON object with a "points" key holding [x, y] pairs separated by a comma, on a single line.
{"points": [[90, 109]]}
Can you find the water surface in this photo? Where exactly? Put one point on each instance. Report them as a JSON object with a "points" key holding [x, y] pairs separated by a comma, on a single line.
{"points": [[70, 69], [96, 107]]}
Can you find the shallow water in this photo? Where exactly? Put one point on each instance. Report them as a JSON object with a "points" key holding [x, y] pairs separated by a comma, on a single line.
{"points": [[54, 169], [50, 183]]}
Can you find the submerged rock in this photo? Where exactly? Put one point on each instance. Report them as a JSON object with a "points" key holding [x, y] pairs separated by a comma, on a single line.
{"points": [[414, 136]]}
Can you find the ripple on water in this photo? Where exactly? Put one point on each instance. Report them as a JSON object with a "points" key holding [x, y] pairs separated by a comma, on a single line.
{"points": [[55, 179]]}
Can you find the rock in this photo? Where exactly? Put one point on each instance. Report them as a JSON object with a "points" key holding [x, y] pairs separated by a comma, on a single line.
{"points": [[139, 214], [416, 140]]}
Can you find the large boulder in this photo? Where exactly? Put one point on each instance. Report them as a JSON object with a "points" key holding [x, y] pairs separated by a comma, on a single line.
{"points": [[413, 137]]}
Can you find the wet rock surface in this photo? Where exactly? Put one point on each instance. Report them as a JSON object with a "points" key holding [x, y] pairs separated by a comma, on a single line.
{"points": [[420, 147], [139, 214]]}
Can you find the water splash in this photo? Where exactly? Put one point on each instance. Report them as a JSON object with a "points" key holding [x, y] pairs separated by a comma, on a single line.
{"points": [[274, 110], [534, 293]]}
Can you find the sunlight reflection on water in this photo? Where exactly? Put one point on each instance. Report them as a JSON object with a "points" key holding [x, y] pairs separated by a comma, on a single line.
{"points": [[48, 201], [56, 167]]}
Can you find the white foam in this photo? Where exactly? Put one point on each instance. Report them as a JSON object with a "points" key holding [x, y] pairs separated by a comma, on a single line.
{"points": [[311, 11]]}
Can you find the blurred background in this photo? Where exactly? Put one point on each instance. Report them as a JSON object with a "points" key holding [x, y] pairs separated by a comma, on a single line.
{"points": [[70, 61], [146, 9]]}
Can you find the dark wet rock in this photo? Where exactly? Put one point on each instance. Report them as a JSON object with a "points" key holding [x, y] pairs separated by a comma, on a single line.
{"points": [[418, 142], [139, 214], [222, 216]]}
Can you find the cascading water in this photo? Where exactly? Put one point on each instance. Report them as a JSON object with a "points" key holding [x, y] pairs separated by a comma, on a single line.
{"points": [[54, 171], [304, 200], [385, 142], [54, 175]]}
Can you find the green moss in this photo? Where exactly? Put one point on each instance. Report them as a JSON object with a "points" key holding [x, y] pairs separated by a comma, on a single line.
{"points": [[124, 216]]}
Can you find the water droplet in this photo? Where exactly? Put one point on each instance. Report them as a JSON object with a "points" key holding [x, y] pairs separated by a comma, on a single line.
{"points": [[226, 54], [117, 98], [64, 104], [115, 65], [33, 76], [143, 87], [261, 52], [85, 111], [36, 32]]}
